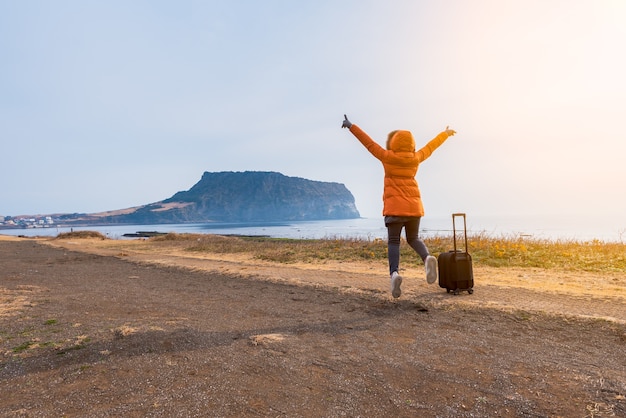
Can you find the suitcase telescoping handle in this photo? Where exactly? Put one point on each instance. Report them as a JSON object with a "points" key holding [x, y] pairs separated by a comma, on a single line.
{"points": [[454, 215]]}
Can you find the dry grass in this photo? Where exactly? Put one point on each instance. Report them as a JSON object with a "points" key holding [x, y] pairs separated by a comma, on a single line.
{"points": [[593, 256], [81, 234]]}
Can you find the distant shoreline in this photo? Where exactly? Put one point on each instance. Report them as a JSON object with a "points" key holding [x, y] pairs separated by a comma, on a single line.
{"points": [[359, 228]]}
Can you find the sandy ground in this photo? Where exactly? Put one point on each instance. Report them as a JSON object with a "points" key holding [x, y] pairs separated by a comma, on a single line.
{"points": [[139, 328]]}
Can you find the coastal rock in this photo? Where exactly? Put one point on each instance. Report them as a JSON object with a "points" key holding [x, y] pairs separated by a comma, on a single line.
{"points": [[249, 196]]}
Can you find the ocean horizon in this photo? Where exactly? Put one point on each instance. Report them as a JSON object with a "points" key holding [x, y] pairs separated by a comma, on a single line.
{"points": [[370, 228]]}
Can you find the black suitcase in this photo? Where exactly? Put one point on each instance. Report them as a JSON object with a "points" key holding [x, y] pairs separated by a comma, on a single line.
{"points": [[455, 267]]}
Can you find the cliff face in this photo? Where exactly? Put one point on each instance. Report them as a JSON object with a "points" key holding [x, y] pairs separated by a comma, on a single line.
{"points": [[249, 196]]}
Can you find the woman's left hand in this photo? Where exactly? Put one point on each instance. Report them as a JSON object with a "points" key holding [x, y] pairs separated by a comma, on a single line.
{"points": [[346, 123]]}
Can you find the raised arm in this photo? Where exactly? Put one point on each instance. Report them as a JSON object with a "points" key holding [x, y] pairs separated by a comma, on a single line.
{"points": [[373, 147], [427, 150]]}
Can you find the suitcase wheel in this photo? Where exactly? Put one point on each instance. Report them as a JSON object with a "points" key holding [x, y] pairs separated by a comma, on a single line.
{"points": [[458, 291]]}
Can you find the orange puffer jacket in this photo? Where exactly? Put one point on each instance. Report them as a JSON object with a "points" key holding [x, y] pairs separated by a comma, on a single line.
{"points": [[401, 196]]}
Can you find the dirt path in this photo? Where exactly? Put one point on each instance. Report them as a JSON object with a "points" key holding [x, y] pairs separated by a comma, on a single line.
{"points": [[117, 329], [580, 294]]}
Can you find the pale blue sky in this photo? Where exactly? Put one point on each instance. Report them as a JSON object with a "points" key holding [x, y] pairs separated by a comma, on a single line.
{"points": [[112, 104]]}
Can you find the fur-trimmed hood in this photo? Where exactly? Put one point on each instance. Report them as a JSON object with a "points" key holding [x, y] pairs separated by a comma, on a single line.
{"points": [[401, 141]]}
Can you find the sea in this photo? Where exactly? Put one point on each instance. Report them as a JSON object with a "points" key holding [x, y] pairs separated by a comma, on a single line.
{"points": [[543, 228]]}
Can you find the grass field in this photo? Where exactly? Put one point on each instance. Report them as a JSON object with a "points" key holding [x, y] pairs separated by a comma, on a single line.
{"points": [[593, 256]]}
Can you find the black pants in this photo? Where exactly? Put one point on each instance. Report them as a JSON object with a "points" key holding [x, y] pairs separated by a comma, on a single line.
{"points": [[411, 229]]}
